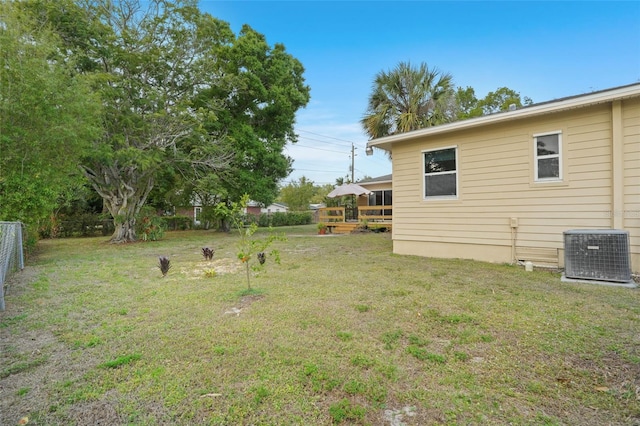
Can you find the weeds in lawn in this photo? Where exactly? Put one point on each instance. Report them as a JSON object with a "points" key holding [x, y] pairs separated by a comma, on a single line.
{"points": [[375, 338], [363, 308], [345, 410], [121, 360]]}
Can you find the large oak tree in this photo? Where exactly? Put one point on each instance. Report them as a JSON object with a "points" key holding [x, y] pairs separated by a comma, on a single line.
{"points": [[179, 91]]}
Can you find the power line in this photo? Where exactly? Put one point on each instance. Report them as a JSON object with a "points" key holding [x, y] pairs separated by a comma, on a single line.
{"points": [[306, 138], [311, 170], [325, 136], [319, 149]]}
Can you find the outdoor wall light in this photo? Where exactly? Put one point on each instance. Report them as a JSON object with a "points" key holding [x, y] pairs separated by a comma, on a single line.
{"points": [[369, 150]]}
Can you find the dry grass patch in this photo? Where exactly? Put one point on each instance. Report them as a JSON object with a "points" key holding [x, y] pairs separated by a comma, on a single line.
{"points": [[342, 332]]}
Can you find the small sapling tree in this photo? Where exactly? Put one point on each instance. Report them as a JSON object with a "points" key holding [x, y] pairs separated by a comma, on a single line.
{"points": [[250, 247]]}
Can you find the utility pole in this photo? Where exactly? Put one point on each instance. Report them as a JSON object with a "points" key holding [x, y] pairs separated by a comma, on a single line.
{"points": [[353, 158]]}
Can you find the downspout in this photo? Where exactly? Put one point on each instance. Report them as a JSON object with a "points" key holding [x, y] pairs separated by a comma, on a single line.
{"points": [[617, 167]]}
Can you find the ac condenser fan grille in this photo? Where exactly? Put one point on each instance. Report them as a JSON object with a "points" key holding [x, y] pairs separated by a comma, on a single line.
{"points": [[597, 255]]}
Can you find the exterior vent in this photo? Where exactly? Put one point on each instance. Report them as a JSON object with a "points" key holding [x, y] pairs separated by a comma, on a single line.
{"points": [[597, 255]]}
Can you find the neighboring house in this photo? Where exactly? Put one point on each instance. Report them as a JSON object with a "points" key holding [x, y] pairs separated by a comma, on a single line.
{"points": [[255, 208], [381, 191], [193, 212], [505, 187]]}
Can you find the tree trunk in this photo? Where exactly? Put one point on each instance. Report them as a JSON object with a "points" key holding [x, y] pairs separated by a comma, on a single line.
{"points": [[124, 231], [225, 225], [124, 192]]}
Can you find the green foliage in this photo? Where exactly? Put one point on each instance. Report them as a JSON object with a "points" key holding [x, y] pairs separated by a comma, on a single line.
{"points": [[6, 322], [121, 360], [284, 219], [391, 338], [292, 348], [151, 227], [47, 119], [249, 246], [408, 98], [344, 335], [501, 99], [298, 194], [469, 106], [363, 308], [345, 410], [258, 100], [23, 366], [23, 391], [78, 225], [178, 99], [178, 223], [423, 355]]}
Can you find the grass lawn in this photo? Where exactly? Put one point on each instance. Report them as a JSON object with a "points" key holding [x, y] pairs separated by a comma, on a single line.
{"points": [[341, 332]]}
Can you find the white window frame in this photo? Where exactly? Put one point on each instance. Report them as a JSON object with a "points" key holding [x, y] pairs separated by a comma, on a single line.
{"points": [[424, 175], [197, 211], [542, 157]]}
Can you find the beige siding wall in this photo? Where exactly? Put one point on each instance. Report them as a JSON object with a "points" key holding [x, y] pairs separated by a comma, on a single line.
{"points": [[631, 213], [496, 183]]}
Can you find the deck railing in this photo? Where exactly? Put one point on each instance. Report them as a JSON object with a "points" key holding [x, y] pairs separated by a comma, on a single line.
{"points": [[369, 214], [331, 214], [375, 214]]}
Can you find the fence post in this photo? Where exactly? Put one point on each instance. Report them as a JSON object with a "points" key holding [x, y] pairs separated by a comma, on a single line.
{"points": [[11, 253]]}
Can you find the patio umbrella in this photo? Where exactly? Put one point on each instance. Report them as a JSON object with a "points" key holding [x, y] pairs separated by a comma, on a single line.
{"points": [[348, 189]]}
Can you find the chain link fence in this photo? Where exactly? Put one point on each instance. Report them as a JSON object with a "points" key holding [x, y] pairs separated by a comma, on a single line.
{"points": [[11, 255]]}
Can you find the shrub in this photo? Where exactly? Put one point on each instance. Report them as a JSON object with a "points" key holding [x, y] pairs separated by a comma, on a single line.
{"points": [[284, 219], [150, 226], [77, 225], [178, 223]]}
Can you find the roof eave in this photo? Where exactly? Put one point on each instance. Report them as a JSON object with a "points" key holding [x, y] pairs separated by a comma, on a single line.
{"points": [[580, 101]]}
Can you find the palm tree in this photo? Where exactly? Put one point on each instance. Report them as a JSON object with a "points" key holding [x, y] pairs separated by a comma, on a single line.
{"points": [[408, 98]]}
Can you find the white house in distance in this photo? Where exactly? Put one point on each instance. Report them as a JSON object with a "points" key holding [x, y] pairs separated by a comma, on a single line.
{"points": [[505, 187], [256, 208], [253, 207]]}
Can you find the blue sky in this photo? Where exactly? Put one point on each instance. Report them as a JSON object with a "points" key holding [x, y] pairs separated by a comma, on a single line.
{"points": [[544, 50]]}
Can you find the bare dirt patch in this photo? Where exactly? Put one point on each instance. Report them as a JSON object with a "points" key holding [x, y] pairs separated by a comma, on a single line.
{"points": [[220, 266]]}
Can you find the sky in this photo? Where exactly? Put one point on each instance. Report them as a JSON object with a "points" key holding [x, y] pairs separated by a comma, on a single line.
{"points": [[543, 50]]}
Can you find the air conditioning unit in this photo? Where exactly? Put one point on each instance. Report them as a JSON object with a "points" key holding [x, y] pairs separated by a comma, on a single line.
{"points": [[601, 255]]}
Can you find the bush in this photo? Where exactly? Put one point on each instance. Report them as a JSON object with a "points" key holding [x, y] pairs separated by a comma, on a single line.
{"points": [[80, 225], [285, 219], [178, 223], [150, 226]]}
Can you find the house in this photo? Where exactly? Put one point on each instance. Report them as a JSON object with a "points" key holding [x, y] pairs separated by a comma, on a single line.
{"points": [[255, 208], [381, 191], [504, 187]]}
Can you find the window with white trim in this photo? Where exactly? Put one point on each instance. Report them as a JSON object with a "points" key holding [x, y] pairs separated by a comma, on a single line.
{"points": [[548, 157], [441, 173]]}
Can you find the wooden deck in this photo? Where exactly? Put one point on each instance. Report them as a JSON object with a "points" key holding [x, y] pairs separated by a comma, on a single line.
{"points": [[370, 217]]}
